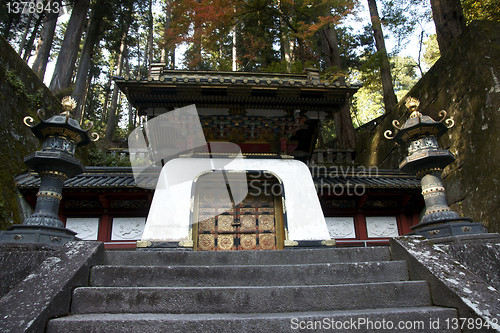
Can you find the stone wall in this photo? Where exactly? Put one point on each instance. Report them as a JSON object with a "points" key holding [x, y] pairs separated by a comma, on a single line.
{"points": [[465, 82], [21, 94]]}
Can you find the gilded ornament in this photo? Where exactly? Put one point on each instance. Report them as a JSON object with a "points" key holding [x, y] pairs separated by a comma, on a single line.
{"points": [[68, 103], [412, 104]]}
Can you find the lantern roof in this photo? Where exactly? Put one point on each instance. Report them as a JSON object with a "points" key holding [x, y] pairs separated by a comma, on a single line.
{"points": [[418, 125], [61, 125]]}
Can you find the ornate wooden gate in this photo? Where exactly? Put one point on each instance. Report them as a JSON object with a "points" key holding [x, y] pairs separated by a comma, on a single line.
{"points": [[256, 223]]}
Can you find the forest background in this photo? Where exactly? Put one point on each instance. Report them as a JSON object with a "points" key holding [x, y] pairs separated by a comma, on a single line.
{"points": [[78, 46]]}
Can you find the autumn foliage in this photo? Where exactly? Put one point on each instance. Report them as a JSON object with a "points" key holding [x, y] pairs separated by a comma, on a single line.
{"points": [[263, 30]]}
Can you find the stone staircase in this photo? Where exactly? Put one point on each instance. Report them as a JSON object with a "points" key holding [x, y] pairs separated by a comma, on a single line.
{"points": [[252, 291]]}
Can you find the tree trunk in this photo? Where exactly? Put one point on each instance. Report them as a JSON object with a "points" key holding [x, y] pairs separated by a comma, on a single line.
{"points": [[63, 72], [285, 46], [30, 43], [25, 34], [390, 99], [84, 99], [168, 50], [149, 50], [131, 115], [44, 44], [90, 94], [82, 75], [112, 117], [330, 47], [139, 55], [234, 54], [449, 20], [234, 46], [172, 59], [107, 88], [197, 57], [7, 28], [346, 134]]}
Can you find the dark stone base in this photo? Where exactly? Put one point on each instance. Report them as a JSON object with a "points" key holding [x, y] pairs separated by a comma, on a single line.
{"points": [[161, 246], [477, 239], [441, 217], [450, 229], [312, 244], [37, 234], [45, 219]]}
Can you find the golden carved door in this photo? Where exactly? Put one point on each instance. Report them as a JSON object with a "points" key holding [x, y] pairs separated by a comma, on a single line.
{"points": [[256, 223]]}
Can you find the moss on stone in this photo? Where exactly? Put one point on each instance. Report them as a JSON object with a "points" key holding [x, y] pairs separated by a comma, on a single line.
{"points": [[22, 93]]}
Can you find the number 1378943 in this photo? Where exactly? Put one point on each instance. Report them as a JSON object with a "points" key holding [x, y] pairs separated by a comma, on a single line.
{"points": [[33, 7]]}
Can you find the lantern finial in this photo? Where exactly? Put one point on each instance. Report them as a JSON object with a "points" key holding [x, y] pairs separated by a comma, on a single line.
{"points": [[412, 104], [68, 104]]}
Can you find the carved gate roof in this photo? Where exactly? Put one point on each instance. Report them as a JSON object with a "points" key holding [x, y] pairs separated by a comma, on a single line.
{"points": [[122, 178], [176, 88]]}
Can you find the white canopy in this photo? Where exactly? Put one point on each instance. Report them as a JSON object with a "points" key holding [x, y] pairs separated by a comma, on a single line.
{"points": [[169, 216]]}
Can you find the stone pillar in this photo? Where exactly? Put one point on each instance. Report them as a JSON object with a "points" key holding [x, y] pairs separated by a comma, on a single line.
{"points": [[427, 160]]}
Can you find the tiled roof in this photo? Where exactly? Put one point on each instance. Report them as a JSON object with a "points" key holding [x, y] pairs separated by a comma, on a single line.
{"points": [[93, 177], [160, 74], [123, 178], [165, 88], [368, 178]]}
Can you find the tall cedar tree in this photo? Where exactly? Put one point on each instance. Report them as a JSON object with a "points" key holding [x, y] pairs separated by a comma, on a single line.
{"points": [[261, 25], [205, 25], [449, 20], [65, 65], [91, 38], [44, 44], [390, 99], [25, 34], [167, 48], [330, 52], [112, 119], [148, 58], [28, 47]]}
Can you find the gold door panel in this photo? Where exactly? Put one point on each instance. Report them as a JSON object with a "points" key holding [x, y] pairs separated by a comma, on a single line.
{"points": [[206, 242], [225, 223], [256, 223], [248, 242], [225, 242]]}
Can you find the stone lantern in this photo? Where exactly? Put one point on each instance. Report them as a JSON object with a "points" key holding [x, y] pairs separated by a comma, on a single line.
{"points": [[60, 135], [427, 160]]}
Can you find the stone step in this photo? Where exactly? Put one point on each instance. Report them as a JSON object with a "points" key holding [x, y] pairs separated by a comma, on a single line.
{"points": [[412, 319], [207, 258], [244, 275], [246, 299]]}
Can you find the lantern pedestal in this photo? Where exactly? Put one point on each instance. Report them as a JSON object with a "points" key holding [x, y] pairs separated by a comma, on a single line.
{"points": [[23, 233], [449, 229]]}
